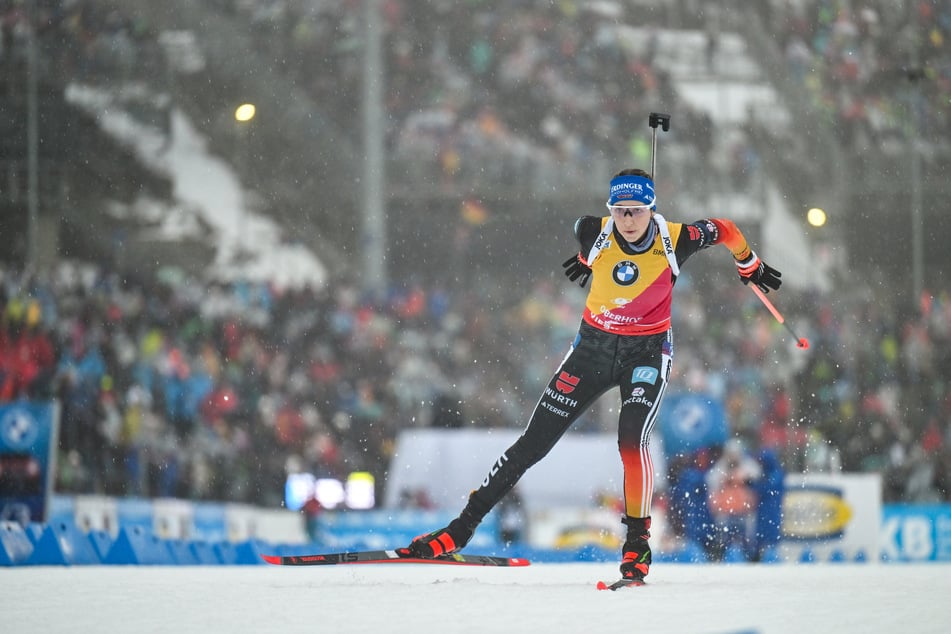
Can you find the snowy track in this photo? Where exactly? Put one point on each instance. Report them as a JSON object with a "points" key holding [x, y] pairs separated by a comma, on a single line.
{"points": [[548, 598]]}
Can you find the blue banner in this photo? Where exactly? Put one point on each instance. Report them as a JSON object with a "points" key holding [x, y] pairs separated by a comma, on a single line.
{"points": [[356, 530], [692, 421], [916, 532], [28, 438], [209, 522]]}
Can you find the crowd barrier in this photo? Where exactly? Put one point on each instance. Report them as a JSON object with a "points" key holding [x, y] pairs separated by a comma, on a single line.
{"points": [[176, 532], [64, 544]]}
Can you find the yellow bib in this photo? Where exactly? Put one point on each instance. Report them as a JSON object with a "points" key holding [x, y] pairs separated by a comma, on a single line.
{"points": [[631, 294]]}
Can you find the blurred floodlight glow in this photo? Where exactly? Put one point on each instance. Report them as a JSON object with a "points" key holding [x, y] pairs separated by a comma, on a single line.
{"points": [[298, 489], [329, 492], [360, 490], [357, 493], [816, 217], [245, 112]]}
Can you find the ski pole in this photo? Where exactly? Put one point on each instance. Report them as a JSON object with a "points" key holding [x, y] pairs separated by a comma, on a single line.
{"points": [[801, 342]]}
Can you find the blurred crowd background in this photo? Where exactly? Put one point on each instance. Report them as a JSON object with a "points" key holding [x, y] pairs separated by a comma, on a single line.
{"points": [[172, 384], [213, 391]]}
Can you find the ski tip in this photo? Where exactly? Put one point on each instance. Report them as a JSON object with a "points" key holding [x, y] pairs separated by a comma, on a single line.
{"points": [[621, 583], [518, 561], [271, 559]]}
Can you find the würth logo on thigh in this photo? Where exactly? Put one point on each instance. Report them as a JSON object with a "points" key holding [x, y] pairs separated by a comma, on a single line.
{"points": [[566, 383]]}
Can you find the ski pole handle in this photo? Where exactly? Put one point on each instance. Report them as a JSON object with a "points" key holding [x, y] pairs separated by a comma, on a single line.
{"points": [[659, 119]]}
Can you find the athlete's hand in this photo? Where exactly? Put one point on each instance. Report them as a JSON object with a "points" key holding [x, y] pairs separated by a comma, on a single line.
{"points": [[575, 268], [753, 269]]}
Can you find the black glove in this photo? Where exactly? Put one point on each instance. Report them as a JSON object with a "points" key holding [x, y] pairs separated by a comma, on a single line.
{"points": [[752, 269], [575, 268]]}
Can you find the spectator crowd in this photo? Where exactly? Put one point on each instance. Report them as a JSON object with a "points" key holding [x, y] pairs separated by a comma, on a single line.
{"points": [[211, 391], [878, 69], [493, 92], [499, 92]]}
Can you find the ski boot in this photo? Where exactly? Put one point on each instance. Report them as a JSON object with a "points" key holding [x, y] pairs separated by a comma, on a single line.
{"points": [[636, 551], [444, 541]]}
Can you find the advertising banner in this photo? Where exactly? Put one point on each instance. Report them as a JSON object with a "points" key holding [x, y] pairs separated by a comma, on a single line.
{"points": [[832, 513], [916, 532], [28, 438], [357, 530], [689, 422]]}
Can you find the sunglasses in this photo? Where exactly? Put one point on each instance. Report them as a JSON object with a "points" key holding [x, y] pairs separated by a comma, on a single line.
{"points": [[634, 210]]}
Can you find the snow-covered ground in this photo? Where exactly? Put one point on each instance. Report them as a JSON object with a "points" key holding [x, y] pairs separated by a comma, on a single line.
{"points": [[546, 598]]}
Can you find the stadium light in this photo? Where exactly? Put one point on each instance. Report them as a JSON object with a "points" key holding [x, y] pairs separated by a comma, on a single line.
{"points": [[816, 217], [245, 112]]}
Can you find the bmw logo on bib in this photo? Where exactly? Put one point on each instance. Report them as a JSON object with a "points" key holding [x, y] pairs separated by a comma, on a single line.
{"points": [[625, 273]]}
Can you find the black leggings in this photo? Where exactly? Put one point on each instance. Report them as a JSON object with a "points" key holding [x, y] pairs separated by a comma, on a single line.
{"points": [[596, 362]]}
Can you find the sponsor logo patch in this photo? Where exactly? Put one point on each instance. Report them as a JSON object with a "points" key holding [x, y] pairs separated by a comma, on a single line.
{"points": [[566, 383], [644, 374], [638, 400], [625, 273]]}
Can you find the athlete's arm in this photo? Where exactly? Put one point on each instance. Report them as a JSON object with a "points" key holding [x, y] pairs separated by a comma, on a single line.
{"points": [[587, 229], [730, 236], [711, 231], [707, 232]]}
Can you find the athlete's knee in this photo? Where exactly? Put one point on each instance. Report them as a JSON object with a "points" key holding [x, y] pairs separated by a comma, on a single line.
{"points": [[524, 453]]}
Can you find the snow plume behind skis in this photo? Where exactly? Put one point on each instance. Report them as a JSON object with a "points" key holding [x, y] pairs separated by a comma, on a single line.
{"points": [[550, 598]]}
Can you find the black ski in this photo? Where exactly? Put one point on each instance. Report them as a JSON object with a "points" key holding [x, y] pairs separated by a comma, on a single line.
{"points": [[621, 583], [391, 557]]}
